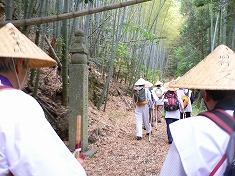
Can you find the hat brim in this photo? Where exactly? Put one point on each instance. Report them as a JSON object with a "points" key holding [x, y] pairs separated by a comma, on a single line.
{"points": [[215, 72], [148, 84], [158, 83], [14, 44], [167, 86], [140, 82]]}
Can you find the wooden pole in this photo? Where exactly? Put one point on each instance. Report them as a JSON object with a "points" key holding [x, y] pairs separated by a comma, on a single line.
{"points": [[64, 16], [78, 135]]}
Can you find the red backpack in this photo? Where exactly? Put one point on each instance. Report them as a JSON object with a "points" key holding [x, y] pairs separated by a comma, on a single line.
{"points": [[171, 102]]}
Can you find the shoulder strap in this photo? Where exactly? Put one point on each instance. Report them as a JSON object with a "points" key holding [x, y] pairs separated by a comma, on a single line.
{"points": [[224, 121], [3, 87], [186, 93]]}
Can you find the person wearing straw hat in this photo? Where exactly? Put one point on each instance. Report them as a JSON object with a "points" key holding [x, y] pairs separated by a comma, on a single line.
{"points": [[159, 90], [28, 143], [154, 99], [172, 114], [187, 97], [142, 100], [199, 144]]}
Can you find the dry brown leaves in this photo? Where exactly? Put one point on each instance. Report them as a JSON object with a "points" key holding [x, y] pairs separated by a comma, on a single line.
{"points": [[119, 153]]}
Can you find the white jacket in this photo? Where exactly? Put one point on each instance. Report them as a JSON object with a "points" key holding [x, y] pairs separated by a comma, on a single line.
{"points": [[200, 144], [184, 92], [28, 143]]}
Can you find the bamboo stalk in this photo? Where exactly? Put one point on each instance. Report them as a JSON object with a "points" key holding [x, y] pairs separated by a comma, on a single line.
{"points": [[64, 16]]}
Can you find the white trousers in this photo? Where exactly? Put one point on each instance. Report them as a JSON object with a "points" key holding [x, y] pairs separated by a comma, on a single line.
{"points": [[142, 115]]}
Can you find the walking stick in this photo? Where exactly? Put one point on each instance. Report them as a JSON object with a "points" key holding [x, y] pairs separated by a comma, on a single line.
{"points": [[77, 153], [150, 135], [155, 114]]}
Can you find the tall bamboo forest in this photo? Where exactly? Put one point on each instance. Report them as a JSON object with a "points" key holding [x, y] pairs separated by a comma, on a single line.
{"points": [[153, 39]]}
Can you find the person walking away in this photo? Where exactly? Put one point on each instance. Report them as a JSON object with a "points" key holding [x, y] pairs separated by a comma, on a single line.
{"points": [[172, 105], [142, 99], [159, 90], [28, 143], [200, 145], [154, 99], [188, 99]]}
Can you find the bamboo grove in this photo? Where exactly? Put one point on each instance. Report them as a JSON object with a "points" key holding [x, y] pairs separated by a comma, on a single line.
{"points": [[153, 39]]}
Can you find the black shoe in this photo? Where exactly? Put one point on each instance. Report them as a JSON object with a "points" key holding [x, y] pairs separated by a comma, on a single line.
{"points": [[144, 128], [138, 138], [169, 142], [148, 133]]}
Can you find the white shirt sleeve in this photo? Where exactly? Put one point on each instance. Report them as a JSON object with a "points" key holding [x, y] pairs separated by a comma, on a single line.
{"points": [[29, 145], [172, 164]]}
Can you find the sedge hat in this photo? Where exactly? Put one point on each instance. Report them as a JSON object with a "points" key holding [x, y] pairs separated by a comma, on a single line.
{"points": [[14, 44], [140, 82], [167, 84], [215, 72], [148, 84], [158, 83]]}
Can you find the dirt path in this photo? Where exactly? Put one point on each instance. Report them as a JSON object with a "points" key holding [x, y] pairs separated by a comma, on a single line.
{"points": [[119, 152]]}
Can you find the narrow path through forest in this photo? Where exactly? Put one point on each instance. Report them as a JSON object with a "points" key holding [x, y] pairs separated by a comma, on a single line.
{"points": [[119, 152]]}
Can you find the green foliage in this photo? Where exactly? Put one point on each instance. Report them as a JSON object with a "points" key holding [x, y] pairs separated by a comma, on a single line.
{"points": [[132, 28], [200, 3], [153, 74], [196, 109], [194, 41], [60, 43], [123, 51], [148, 35], [196, 34], [169, 20]]}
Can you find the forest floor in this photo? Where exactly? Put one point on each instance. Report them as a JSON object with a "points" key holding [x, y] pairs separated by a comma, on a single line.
{"points": [[112, 132], [119, 153]]}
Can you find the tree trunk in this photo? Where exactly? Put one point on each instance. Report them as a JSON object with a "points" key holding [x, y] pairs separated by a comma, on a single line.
{"points": [[64, 58]]}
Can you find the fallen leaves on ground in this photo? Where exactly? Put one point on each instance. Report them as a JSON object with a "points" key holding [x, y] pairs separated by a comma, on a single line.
{"points": [[112, 132], [119, 153]]}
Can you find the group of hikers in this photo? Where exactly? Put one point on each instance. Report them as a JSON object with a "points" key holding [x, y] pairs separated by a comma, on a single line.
{"points": [[203, 144], [200, 145], [152, 103]]}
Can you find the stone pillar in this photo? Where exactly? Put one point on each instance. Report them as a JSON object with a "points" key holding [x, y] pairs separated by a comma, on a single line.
{"points": [[78, 90]]}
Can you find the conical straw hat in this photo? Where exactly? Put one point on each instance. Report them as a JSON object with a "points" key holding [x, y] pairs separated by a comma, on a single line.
{"points": [[166, 86], [158, 83], [14, 44], [148, 84], [140, 82], [177, 78], [215, 72]]}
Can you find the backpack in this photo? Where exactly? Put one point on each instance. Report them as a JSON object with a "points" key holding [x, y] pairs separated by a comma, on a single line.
{"points": [[159, 92], [139, 96], [227, 123], [185, 99], [192, 98], [172, 103], [150, 89]]}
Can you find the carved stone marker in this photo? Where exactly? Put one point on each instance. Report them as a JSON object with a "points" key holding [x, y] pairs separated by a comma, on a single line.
{"points": [[78, 90]]}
